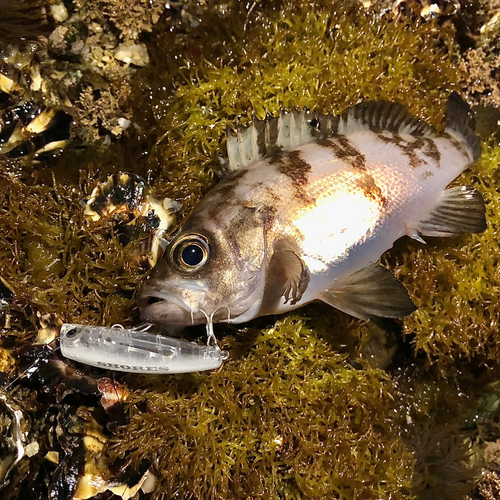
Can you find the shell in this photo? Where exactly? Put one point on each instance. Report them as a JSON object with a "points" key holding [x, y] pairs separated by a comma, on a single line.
{"points": [[30, 129], [140, 216]]}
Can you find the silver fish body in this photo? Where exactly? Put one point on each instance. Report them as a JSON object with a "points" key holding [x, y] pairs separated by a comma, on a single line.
{"points": [[309, 206]]}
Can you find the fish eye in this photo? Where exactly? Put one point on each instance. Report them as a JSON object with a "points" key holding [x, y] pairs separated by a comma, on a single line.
{"points": [[190, 252]]}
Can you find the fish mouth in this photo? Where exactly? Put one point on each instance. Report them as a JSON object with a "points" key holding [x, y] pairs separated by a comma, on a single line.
{"points": [[159, 305]]}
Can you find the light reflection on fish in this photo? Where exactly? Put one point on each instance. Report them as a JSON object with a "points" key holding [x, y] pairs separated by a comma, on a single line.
{"points": [[309, 205]]}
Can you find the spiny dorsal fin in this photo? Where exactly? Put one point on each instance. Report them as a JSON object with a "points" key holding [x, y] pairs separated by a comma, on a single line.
{"points": [[290, 130], [265, 137], [383, 115]]}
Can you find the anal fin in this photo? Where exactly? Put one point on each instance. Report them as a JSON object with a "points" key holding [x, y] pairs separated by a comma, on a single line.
{"points": [[370, 292], [460, 210]]}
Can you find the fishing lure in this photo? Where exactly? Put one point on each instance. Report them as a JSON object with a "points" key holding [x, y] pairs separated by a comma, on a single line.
{"points": [[136, 351]]}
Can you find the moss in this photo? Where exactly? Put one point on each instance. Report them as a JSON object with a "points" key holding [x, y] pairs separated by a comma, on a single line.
{"points": [[289, 418], [56, 261]]}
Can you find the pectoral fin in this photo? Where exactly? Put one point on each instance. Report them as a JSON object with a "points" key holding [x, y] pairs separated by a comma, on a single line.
{"points": [[460, 210], [371, 291], [288, 272]]}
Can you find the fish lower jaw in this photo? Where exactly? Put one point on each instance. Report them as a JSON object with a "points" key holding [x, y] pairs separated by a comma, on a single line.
{"points": [[173, 312], [155, 309]]}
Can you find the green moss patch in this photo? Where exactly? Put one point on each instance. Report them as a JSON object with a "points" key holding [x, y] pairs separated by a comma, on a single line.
{"points": [[289, 418], [56, 261]]}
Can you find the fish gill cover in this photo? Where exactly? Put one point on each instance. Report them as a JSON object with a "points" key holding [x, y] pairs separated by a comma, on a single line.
{"points": [[310, 405]]}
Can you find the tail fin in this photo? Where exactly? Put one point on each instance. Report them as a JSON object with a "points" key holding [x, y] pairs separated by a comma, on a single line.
{"points": [[460, 124]]}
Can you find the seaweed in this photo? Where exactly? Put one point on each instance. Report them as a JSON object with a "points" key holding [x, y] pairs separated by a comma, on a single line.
{"points": [[288, 419], [57, 261]]}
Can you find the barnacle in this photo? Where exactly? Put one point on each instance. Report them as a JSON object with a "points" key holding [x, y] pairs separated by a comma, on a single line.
{"points": [[144, 218], [27, 128], [120, 193]]}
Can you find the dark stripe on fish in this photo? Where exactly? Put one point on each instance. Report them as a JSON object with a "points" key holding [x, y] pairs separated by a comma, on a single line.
{"points": [[226, 187], [407, 148], [294, 167], [271, 135], [432, 151], [344, 150], [457, 144], [260, 127], [410, 148], [266, 136]]}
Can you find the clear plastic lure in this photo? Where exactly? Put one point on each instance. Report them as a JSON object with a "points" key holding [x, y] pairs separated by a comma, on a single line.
{"points": [[136, 351]]}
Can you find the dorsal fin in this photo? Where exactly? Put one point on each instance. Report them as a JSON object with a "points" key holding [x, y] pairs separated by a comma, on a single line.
{"points": [[265, 137], [289, 130], [383, 115]]}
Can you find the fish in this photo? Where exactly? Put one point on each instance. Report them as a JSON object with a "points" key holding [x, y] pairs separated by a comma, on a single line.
{"points": [[307, 207]]}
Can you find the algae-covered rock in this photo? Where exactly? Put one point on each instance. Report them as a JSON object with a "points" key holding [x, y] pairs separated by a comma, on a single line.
{"points": [[310, 405]]}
